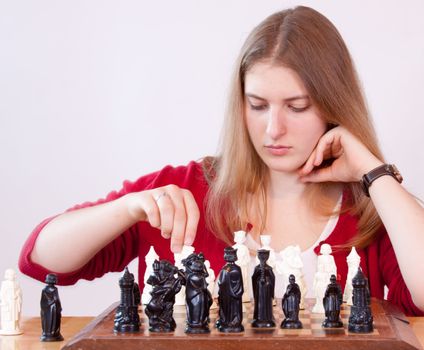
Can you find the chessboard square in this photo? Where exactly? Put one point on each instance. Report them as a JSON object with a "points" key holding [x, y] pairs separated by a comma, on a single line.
{"points": [[319, 332], [294, 332]]}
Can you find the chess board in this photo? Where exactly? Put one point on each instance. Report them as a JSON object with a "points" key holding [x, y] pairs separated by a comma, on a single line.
{"points": [[391, 331]]}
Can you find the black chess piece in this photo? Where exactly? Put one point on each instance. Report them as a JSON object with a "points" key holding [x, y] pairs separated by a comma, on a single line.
{"points": [[230, 292], [137, 294], [51, 311], [333, 299], [127, 319], [291, 305], [165, 286], [198, 298], [360, 319], [263, 282]]}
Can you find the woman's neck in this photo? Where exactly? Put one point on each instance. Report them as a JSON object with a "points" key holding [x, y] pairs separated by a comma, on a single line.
{"points": [[285, 186]]}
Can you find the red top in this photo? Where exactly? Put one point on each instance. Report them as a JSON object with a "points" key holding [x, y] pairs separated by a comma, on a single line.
{"points": [[378, 260]]}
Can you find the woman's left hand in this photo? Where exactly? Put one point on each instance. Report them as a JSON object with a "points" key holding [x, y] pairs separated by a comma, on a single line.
{"points": [[351, 158]]}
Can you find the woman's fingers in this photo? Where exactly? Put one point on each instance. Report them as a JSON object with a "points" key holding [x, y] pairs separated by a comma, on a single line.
{"points": [[193, 215], [166, 211], [175, 212], [178, 228]]}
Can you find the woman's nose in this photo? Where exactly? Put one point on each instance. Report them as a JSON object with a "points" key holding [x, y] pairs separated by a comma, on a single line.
{"points": [[276, 123]]}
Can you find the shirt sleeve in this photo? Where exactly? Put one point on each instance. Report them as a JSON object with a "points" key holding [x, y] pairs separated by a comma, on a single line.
{"points": [[398, 291], [118, 253]]}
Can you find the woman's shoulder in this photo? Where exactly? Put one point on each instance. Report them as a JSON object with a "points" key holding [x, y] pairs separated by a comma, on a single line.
{"points": [[192, 174]]}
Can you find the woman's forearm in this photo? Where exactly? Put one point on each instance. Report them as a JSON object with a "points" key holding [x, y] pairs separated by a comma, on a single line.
{"points": [[403, 218], [70, 240]]}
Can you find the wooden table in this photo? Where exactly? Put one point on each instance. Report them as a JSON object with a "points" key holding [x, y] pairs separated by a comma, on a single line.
{"points": [[71, 325]]}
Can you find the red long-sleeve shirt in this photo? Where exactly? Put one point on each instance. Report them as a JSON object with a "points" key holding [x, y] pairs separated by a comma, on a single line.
{"points": [[378, 260]]}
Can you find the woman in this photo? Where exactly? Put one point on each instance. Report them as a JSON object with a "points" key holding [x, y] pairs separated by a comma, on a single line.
{"points": [[297, 141]]}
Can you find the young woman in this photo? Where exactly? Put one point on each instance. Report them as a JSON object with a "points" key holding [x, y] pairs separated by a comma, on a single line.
{"points": [[296, 145]]}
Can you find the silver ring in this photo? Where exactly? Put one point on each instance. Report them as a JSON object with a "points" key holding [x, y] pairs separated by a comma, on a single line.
{"points": [[163, 194]]}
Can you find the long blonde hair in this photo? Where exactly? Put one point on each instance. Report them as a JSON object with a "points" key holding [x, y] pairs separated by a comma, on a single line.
{"points": [[305, 41]]}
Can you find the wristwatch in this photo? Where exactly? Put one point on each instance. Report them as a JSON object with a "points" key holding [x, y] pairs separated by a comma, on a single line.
{"points": [[385, 169]]}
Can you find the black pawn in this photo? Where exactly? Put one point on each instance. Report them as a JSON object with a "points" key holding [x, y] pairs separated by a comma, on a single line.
{"points": [[51, 310], [263, 282], [127, 319], [333, 299], [198, 298], [360, 319], [291, 305], [230, 292]]}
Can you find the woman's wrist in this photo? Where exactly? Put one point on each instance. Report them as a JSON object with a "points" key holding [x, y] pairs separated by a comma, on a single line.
{"points": [[368, 167]]}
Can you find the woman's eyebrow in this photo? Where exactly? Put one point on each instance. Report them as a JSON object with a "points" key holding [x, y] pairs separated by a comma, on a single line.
{"points": [[289, 99]]}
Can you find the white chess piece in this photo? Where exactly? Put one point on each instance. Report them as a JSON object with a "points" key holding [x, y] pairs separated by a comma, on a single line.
{"points": [[243, 260], [210, 280], [353, 261], [266, 244], [292, 264], [326, 266], [321, 282], [150, 257], [178, 258], [11, 304]]}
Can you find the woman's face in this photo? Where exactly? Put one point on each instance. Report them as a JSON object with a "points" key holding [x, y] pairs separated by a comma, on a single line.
{"points": [[283, 125]]}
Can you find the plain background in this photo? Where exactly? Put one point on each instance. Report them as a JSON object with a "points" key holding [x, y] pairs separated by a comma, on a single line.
{"points": [[96, 92]]}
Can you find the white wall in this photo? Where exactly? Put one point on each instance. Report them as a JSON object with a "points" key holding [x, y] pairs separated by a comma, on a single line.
{"points": [[95, 92]]}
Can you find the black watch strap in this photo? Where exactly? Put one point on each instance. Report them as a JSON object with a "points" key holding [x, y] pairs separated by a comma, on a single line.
{"points": [[385, 169]]}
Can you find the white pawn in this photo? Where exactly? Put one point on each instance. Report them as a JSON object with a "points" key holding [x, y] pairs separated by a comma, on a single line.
{"points": [[321, 282], [326, 261], [353, 261], [150, 257], [292, 264], [243, 260], [266, 244], [326, 266], [210, 280], [11, 304], [178, 258]]}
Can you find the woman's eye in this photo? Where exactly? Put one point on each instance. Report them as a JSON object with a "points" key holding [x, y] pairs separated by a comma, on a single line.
{"points": [[298, 109], [257, 107]]}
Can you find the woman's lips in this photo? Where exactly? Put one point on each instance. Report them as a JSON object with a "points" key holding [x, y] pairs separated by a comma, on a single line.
{"points": [[277, 150]]}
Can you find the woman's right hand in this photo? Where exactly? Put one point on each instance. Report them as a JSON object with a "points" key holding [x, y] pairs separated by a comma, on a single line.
{"points": [[171, 209]]}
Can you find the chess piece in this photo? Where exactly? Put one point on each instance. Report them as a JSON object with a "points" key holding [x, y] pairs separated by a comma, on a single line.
{"points": [[230, 292], [198, 297], [210, 280], [353, 260], [360, 319], [263, 282], [326, 267], [51, 311], [160, 308], [178, 258], [326, 261], [127, 319], [150, 257], [137, 294], [292, 264], [290, 304], [243, 260], [319, 287], [11, 304], [333, 300], [266, 244]]}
